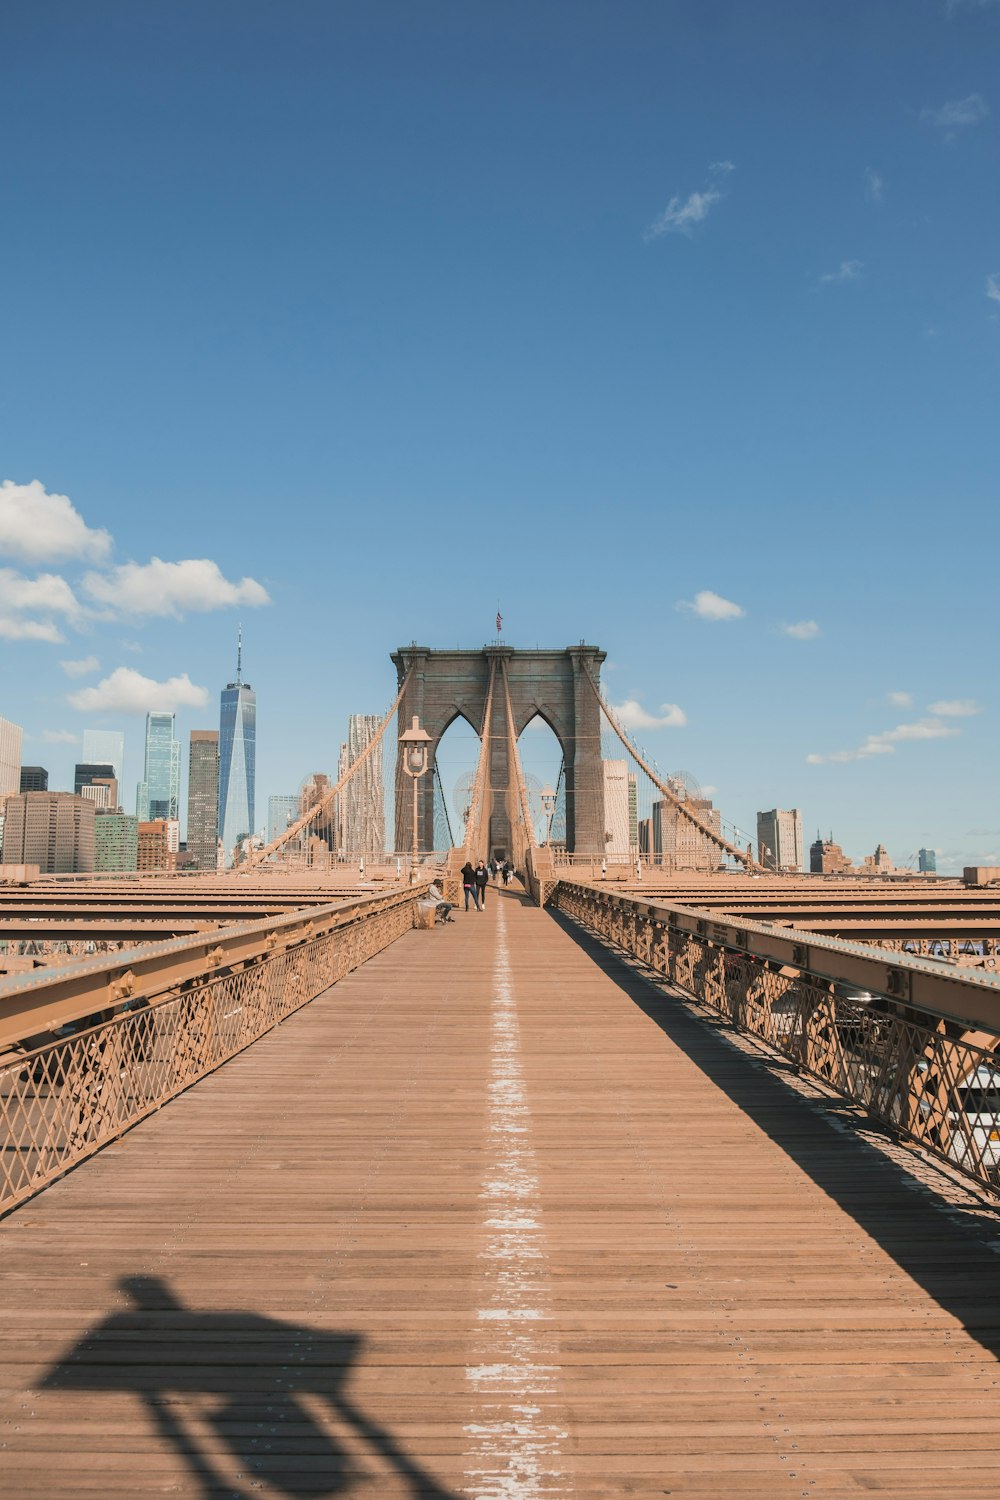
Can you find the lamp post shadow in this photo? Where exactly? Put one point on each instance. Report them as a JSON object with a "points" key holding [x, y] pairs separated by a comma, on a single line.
{"points": [[255, 1406]]}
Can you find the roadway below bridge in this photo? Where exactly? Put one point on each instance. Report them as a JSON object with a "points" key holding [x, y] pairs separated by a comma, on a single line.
{"points": [[495, 1218]]}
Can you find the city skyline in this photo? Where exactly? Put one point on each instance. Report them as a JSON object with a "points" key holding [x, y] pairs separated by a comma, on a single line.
{"points": [[713, 284]]}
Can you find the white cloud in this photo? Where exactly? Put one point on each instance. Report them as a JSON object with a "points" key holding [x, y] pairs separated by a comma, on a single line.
{"points": [[993, 287], [60, 737], [710, 606], [873, 186], [128, 692], [802, 630], [39, 527], [900, 700], [80, 668], [12, 629], [680, 216], [170, 588], [632, 715], [968, 111], [47, 592], [922, 729], [885, 743], [848, 270], [956, 708]]}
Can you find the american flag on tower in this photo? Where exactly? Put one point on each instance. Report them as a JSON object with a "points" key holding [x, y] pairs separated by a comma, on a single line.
{"points": [[499, 622]]}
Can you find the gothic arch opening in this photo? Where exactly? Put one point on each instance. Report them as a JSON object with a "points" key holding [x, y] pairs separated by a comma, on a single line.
{"points": [[455, 762], [542, 763]]}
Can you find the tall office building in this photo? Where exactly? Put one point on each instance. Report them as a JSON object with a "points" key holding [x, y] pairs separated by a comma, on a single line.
{"points": [[105, 747], [362, 802], [116, 841], [34, 779], [677, 842], [237, 760], [780, 844], [282, 811], [617, 824], [158, 842], [162, 778], [203, 798], [324, 828], [927, 861], [54, 830], [98, 782], [11, 736], [828, 858]]}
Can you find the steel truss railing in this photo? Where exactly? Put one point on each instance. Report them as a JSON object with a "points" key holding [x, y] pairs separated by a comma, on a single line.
{"points": [[932, 1079], [62, 1101]]}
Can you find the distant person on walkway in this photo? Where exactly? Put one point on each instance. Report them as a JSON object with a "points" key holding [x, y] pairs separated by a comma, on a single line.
{"points": [[469, 884], [508, 870], [482, 881]]}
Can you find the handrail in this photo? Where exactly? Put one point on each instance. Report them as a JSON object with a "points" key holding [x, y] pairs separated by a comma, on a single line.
{"points": [[64, 1096], [47, 998], [970, 997], [913, 1043]]}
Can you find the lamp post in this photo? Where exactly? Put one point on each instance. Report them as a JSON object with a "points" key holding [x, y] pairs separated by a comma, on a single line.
{"points": [[548, 797], [414, 743]]}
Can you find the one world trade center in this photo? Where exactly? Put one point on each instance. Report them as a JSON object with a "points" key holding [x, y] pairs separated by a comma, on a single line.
{"points": [[237, 758]]}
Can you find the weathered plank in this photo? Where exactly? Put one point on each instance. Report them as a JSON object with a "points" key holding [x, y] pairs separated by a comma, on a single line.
{"points": [[493, 1219]]}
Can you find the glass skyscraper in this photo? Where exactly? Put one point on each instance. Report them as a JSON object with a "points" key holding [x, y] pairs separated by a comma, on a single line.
{"points": [[105, 747], [162, 780], [237, 760]]}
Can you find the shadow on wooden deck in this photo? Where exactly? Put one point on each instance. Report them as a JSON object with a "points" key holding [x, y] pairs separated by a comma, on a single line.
{"points": [[243, 1399], [950, 1260]]}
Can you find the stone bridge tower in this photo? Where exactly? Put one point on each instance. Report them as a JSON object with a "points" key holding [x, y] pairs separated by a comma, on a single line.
{"points": [[447, 685]]}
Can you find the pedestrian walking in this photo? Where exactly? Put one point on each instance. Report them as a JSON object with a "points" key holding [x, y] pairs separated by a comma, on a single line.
{"points": [[469, 884], [482, 876]]}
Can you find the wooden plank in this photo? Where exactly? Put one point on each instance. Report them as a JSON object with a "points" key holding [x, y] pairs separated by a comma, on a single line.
{"points": [[492, 1218]]}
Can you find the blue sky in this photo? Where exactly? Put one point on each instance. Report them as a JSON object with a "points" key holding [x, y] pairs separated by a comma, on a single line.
{"points": [[385, 313]]}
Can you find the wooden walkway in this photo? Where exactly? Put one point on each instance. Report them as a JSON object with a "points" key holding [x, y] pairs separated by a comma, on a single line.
{"points": [[494, 1219]]}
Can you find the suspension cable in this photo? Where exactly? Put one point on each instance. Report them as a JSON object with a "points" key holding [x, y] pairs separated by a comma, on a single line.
{"points": [[745, 856], [473, 824], [514, 760], [324, 802]]}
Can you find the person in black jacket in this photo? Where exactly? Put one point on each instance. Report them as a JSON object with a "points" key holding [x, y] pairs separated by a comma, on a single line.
{"points": [[482, 881], [469, 884]]}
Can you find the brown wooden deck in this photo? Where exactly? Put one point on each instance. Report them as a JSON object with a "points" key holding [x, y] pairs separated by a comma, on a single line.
{"points": [[494, 1219]]}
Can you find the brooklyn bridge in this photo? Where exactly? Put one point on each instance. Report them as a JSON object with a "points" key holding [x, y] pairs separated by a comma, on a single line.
{"points": [[663, 1173]]}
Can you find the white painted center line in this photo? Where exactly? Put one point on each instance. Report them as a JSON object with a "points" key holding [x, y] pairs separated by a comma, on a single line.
{"points": [[513, 1453]]}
